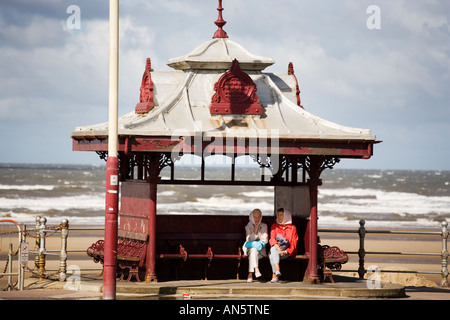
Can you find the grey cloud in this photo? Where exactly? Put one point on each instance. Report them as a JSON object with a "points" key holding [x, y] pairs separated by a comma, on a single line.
{"points": [[30, 24]]}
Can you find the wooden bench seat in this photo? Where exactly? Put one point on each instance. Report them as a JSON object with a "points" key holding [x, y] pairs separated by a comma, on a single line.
{"points": [[209, 253], [330, 258], [131, 252]]}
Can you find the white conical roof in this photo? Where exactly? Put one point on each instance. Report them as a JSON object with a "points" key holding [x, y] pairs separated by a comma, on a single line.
{"points": [[183, 100], [217, 54]]}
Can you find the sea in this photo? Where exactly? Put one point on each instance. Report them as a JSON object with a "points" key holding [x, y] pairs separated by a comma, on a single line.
{"points": [[385, 199]]}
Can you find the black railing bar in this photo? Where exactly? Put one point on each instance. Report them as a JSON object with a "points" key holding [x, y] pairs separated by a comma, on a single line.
{"points": [[391, 271]]}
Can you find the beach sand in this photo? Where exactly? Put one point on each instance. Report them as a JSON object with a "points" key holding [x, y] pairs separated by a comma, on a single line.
{"points": [[348, 242], [375, 245]]}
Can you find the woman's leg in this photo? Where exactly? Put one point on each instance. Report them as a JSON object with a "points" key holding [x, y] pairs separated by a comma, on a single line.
{"points": [[252, 259], [274, 260]]}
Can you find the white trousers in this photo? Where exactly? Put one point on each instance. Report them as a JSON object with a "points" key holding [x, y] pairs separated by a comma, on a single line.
{"points": [[253, 257]]}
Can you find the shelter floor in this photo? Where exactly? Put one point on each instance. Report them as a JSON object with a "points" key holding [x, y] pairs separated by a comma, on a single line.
{"points": [[90, 286]]}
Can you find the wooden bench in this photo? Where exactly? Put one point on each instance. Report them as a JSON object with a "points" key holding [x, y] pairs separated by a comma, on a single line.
{"points": [[213, 242], [131, 252], [198, 246], [329, 259], [209, 255]]}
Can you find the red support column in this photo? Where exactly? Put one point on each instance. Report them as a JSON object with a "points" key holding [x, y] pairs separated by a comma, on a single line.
{"points": [[111, 222], [315, 165], [151, 248], [311, 272], [314, 170]]}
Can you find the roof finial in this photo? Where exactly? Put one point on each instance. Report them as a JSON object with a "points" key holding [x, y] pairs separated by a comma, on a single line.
{"points": [[220, 33]]}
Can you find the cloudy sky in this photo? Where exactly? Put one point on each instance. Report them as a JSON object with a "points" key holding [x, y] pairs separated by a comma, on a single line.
{"points": [[394, 79]]}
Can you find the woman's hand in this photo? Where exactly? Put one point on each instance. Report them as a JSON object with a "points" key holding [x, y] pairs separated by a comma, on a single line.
{"points": [[280, 252]]}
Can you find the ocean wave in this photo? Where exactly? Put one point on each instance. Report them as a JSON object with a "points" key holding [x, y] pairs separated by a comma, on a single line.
{"points": [[384, 198], [42, 204], [215, 205], [166, 193], [375, 201], [344, 223], [27, 187], [258, 194], [30, 219]]}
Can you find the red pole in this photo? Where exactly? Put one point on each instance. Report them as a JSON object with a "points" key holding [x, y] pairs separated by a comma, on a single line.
{"points": [[112, 164], [312, 267], [314, 182], [111, 223], [151, 248]]}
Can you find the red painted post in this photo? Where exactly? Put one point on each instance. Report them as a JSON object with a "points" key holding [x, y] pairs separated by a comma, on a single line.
{"points": [[112, 164], [314, 182], [151, 248], [111, 222], [312, 275]]}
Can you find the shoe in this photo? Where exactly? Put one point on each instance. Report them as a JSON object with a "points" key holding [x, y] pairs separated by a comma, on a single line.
{"points": [[277, 273], [249, 279], [274, 280], [257, 274]]}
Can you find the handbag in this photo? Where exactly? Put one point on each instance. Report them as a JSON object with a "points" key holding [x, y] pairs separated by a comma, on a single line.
{"points": [[283, 243], [254, 244]]}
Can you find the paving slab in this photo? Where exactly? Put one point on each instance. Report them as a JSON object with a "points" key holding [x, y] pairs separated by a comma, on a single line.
{"points": [[345, 288], [91, 287]]}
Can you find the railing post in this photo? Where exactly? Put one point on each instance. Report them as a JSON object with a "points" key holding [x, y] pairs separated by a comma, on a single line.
{"points": [[42, 233], [10, 262], [37, 243], [63, 255], [23, 235], [444, 254], [361, 251]]}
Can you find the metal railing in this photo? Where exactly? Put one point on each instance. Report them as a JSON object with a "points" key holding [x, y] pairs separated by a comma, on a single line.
{"points": [[84, 229], [39, 233], [42, 231], [9, 263], [362, 231], [41, 251]]}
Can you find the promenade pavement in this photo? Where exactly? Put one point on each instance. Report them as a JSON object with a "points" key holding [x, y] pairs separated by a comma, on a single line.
{"points": [[345, 288]]}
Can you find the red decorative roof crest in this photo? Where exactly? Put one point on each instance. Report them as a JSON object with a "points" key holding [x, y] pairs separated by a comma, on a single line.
{"points": [[220, 33], [146, 100], [297, 93], [235, 93]]}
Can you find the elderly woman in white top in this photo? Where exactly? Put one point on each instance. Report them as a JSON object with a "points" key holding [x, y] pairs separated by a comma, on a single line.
{"points": [[255, 243]]}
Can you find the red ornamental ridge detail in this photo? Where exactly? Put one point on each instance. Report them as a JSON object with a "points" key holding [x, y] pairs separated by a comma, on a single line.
{"points": [[235, 93], [297, 93], [146, 99]]}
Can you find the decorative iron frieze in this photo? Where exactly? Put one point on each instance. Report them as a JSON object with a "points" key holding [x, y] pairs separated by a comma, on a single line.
{"points": [[314, 165], [102, 154]]}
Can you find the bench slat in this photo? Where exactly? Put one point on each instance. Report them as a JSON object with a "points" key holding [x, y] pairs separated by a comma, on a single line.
{"points": [[132, 235], [199, 236], [128, 258]]}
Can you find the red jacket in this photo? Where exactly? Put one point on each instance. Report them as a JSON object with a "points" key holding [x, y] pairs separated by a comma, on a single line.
{"points": [[288, 231]]}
